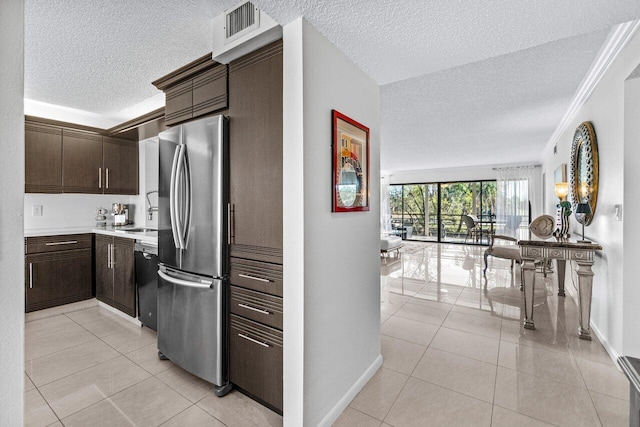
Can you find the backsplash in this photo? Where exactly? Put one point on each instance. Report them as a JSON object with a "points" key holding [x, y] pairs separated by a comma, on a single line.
{"points": [[72, 210]]}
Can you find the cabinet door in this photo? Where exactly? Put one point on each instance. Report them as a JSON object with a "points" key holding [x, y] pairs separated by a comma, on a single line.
{"points": [[120, 164], [179, 103], [57, 278], [255, 360], [124, 285], [255, 108], [81, 162], [43, 159], [104, 273], [210, 91]]}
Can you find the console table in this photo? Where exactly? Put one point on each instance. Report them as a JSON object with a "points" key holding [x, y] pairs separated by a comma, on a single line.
{"points": [[561, 250]]}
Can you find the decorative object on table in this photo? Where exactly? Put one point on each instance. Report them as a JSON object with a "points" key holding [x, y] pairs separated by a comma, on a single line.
{"points": [[542, 226], [350, 164], [563, 215], [581, 210], [120, 214], [101, 217], [584, 170], [563, 211]]}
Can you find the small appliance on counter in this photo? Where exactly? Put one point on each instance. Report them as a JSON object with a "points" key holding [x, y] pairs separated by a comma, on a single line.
{"points": [[120, 214], [101, 217]]}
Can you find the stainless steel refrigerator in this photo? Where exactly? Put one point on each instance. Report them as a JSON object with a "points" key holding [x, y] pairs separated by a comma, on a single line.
{"points": [[192, 250]]}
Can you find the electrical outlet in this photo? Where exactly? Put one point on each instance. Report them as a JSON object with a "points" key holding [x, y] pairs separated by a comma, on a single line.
{"points": [[617, 215], [36, 210]]}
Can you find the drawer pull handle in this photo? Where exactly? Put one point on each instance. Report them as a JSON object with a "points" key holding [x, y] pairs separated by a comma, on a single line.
{"points": [[69, 242], [248, 307], [30, 275], [254, 341], [259, 279]]}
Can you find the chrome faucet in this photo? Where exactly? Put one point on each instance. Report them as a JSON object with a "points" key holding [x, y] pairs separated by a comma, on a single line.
{"points": [[151, 208]]}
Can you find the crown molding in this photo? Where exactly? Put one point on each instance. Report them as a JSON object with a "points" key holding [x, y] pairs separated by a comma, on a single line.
{"points": [[617, 40]]}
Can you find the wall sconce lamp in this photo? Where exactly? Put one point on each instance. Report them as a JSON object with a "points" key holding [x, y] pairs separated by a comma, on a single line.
{"points": [[583, 209], [562, 190]]}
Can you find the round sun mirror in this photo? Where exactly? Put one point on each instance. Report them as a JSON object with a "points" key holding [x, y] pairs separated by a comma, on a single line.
{"points": [[584, 170]]}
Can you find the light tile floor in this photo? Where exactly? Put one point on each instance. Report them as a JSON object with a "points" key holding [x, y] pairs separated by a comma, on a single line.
{"points": [[93, 368], [456, 354]]}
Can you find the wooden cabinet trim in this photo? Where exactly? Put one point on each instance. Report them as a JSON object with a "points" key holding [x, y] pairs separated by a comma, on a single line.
{"points": [[185, 72], [259, 55]]}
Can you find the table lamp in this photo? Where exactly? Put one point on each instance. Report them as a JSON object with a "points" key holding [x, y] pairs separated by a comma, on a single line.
{"points": [[563, 211], [562, 190], [583, 209]]}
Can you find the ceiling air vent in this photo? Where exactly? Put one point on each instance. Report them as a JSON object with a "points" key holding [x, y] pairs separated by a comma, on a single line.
{"points": [[241, 20]]}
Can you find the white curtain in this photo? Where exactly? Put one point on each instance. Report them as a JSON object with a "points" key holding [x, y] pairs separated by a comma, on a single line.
{"points": [[516, 188], [385, 206]]}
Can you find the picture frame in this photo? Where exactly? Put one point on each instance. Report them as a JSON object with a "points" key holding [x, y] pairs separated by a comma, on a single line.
{"points": [[560, 174], [350, 164]]}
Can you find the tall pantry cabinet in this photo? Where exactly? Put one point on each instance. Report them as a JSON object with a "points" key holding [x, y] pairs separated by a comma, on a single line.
{"points": [[255, 149]]}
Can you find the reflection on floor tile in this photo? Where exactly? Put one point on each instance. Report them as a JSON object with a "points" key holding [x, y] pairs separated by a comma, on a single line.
{"points": [[454, 353], [476, 364]]}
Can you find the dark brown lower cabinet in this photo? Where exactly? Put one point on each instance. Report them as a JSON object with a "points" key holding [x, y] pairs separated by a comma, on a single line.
{"points": [[115, 273], [256, 360], [56, 278], [58, 270]]}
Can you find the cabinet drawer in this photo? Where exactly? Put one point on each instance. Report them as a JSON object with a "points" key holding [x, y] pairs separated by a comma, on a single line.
{"points": [[257, 306], [58, 243], [259, 276], [255, 363]]}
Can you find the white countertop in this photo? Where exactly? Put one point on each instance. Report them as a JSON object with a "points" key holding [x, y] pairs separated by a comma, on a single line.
{"points": [[148, 236]]}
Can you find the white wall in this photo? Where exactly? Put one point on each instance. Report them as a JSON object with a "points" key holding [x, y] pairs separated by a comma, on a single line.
{"points": [[631, 310], [11, 193], [331, 260], [606, 110]]}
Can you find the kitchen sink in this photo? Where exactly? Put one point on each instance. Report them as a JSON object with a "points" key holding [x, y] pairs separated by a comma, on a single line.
{"points": [[135, 230]]}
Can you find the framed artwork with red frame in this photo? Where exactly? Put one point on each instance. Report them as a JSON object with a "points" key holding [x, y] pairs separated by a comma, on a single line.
{"points": [[350, 177]]}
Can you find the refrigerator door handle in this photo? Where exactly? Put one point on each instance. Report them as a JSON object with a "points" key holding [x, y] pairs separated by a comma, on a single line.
{"points": [[173, 196], [179, 199], [187, 199], [181, 282]]}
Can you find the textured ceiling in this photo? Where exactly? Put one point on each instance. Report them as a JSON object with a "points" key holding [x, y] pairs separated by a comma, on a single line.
{"points": [[500, 110], [462, 82], [101, 56]]}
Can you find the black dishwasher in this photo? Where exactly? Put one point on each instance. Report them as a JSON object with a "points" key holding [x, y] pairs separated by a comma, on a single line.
{"points": [[147, 282]]}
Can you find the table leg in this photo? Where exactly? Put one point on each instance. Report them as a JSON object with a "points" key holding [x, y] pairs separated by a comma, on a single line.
{"points": [[585, 282], [560, 267], [529, 277]]}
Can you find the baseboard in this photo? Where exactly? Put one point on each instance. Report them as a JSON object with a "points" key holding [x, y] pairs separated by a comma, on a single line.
{"points": [[119, 313], [610, 350], [342, 404]]}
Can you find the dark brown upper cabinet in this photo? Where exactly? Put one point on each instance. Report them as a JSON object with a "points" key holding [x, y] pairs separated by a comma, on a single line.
{"points": [[62, 159], [81, 162], [197, 89], [120, 164], [255, 151], [43, 159]]}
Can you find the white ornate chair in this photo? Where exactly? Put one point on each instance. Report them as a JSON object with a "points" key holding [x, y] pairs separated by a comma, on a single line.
{"points": [[541, 227]]}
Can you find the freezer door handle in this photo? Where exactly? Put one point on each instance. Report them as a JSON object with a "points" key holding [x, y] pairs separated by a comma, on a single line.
{"points": [[181, 282]]}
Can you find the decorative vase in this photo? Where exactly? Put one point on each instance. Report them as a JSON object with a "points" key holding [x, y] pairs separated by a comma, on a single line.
{"points": [[563, 214]]}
